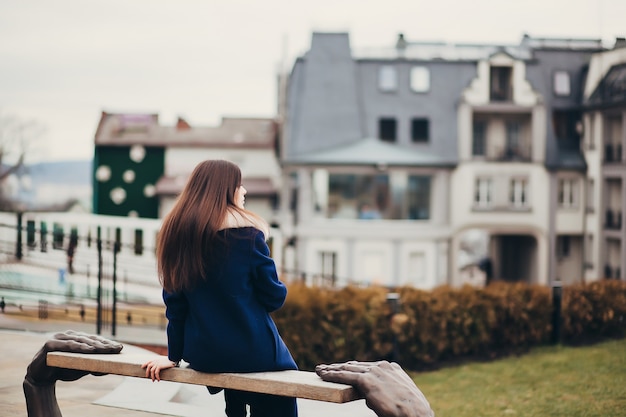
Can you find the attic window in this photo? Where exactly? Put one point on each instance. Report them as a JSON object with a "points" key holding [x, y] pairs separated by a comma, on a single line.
{"points": [[420, 79], [501, 88], [387, 78], [561, 83]]}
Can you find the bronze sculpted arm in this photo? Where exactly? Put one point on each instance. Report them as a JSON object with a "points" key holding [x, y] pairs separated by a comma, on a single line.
{"points": [[40, 380], [387, 389]]}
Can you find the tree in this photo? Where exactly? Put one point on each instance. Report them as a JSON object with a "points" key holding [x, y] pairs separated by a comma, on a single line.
{"points": [[18, 138]]}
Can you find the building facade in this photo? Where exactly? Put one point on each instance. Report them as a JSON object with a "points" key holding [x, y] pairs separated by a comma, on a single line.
{"points": [[425, 163], [604, 115], [140, 166]]}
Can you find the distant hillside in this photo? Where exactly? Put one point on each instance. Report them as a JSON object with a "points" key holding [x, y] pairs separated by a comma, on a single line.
{"points": [[60, 172], [51, 184]]}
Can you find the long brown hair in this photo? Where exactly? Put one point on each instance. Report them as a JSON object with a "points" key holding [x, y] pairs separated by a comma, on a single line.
{"points": [[200, 211]]}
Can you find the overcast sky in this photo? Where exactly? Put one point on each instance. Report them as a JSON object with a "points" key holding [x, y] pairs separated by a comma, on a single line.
{"points": [[63, 62]]}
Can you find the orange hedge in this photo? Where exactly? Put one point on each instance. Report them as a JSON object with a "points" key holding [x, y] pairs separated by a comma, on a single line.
{"points": [[323, 325]]}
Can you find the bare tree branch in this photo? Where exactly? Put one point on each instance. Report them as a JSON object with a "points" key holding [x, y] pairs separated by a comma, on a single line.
{"points": [[17, 138]]}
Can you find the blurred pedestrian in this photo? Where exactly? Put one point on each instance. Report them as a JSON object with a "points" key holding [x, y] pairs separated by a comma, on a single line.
{"points": [[71, 250]]}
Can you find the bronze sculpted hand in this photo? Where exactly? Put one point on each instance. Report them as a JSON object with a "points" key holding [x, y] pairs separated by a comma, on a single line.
{"points": [[39, 382], [387, 389]]}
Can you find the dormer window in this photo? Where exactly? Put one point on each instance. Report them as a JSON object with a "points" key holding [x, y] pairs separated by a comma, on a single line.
{"points": [[387, 78], [501, 88], [420, 79], [561, 83]]}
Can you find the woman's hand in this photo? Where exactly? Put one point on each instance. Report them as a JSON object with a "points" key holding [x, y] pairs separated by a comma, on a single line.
{"points": [[154, 367]]}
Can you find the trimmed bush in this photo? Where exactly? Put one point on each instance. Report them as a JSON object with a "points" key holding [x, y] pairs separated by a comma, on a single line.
{"points": [[594, 311], [324, 325]]}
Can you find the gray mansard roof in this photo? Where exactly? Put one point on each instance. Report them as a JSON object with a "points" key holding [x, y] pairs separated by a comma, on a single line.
{"points": [[612, 88], [333, 103]]}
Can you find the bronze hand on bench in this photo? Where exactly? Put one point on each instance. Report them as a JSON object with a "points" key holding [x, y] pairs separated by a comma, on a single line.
{"points": [[40, 380]]}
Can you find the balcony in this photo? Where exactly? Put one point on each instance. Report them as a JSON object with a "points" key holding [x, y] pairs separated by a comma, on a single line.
{"points": [[613, 153], [518, 153], [613, 220], [612, 272]]}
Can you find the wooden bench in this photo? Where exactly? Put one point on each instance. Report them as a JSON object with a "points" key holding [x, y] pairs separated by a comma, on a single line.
{"points": [[300, 384]]}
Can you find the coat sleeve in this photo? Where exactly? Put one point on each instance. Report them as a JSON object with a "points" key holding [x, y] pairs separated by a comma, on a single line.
{"points": [[269, 290], [176, 311]]}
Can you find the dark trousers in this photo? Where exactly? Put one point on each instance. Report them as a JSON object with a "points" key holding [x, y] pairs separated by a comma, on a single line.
{"points": [[261, 405]]}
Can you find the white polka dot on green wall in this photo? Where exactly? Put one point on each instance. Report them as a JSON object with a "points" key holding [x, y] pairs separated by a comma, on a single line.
{"points": [[129, 176], [137, 153], [103, 173], [149, 190], [118, 195]]}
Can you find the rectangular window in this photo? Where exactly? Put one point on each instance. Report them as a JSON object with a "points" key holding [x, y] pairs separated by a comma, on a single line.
{"points": [[479, 138], [589, 250], [500, 87], [613, 142], [561, 83], [387, 78], [419, 130], [563, 246], [513, 129], [567, 128], [590, 194], [519, 192], [358, 196], [418, 197], [568, 192], [513, 148], [387, 129], [483, 192], [420, 79], [371, 197], [592, 140], [328, 266]]}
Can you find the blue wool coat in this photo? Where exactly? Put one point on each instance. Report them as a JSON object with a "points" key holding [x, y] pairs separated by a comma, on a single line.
{"points": [[223, 324]]}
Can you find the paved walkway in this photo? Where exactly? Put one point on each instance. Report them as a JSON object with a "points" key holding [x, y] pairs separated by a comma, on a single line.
{"points": [[113, 395]]}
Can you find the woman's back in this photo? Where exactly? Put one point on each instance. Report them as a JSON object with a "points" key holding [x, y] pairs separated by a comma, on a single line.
{"points": [[225, 318]]}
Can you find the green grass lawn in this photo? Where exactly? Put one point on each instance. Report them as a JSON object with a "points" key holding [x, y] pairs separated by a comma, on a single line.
{"points": [[548, 381]]}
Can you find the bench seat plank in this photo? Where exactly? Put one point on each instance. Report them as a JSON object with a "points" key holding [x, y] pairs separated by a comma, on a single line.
{"points": [[291, 383]]}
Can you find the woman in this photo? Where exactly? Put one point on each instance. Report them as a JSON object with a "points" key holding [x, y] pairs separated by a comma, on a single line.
{"points": [[219, 286]]}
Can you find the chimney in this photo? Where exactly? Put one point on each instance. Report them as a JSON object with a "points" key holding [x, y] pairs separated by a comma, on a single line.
{"points": [[182, 124], [401, 45], [401, 42]]}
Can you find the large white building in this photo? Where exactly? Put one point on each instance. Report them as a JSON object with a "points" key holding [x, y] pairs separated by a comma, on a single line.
{"points": [[604, 107], [469, 155]]}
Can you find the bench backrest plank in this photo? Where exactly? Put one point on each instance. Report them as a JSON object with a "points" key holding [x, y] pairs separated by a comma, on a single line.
{"points": [[291, 383]]}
